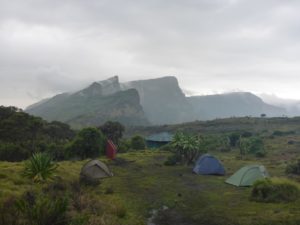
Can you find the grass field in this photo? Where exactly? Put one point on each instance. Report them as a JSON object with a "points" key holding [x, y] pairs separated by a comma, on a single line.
{"points": [[142, 183]]}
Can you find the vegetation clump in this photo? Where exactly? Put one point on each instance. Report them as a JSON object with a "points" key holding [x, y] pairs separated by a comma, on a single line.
{"points": [[22, 134], [172, 160], [113, 130], [283, 133], [42, 210], [138, 142], [275, 190], [253, 145], [89, 143], [187, 147], [293, 168], [40, 167]]}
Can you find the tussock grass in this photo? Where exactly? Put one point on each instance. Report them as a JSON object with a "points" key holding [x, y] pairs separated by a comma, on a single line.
{"points": [[275, 190]]}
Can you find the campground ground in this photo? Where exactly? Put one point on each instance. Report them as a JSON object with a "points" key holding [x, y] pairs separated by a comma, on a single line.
{"points": [[142, 183]]}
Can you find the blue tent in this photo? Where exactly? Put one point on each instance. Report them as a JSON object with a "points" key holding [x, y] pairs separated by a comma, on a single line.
{"points": [[209, 165]]}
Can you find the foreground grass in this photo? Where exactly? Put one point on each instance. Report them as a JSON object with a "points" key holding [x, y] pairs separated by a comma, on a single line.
{"points": [[142, 183]]}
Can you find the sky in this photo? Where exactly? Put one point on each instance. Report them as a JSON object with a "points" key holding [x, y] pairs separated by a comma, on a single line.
{"points": [[211, 46]]}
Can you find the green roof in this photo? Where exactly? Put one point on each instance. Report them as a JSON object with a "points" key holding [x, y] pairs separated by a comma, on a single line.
{"points": [[160, 137]]}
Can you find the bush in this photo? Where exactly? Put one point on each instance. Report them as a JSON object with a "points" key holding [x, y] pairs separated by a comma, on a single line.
{"points": [[124, 145], [89, 143], [167, 147], [283, 133], [172, 160], [234, 139], [260, 154], [293, 168], [42, 210], [256, 145], [252, 145], [246, 134], [188, 147], [39, 167], [8, 212], [12, 152], [138, 143], [275, 190]]}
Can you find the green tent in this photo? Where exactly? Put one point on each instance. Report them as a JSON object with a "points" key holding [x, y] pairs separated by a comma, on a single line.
{"points": [[247, 175]]}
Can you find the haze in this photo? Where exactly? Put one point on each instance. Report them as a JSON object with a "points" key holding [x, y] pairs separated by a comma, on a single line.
{"points": [[49, 47]]}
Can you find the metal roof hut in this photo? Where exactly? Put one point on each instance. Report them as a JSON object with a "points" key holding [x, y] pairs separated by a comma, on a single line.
{"points": [[94, 170], [158, 140]]}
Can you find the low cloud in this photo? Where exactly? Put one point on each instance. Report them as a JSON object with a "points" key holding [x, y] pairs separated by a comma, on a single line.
{"points": [[49, 47]]}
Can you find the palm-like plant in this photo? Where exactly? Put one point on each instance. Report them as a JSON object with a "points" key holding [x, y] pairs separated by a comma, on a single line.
{"points": [[188, 147], [40, 167]]}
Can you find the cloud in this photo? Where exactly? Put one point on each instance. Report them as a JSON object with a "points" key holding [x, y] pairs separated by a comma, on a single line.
{"points": [[48, 47]]}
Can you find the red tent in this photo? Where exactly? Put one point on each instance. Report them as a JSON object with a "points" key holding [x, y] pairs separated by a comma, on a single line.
{"points": [[111, 150]]}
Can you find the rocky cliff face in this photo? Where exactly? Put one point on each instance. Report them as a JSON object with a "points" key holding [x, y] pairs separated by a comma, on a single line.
{"points": [[162, 99], [92, 106]]}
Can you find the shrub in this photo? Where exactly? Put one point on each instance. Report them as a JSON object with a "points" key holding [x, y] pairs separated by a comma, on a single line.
{"points": [[89, 143], [39, 167], [234, 139], [138, 143], [293, 168], [167, 147], [275, 190], [119, 210], [252, 145], [188, 147], [42, 210], [255, 145], [12, 152], [56, 151], [8, 212], [124, 146], [172, 160], [283, 133], [260, 154], [246, 134]]}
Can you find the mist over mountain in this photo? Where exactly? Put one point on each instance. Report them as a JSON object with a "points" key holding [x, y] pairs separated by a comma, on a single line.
{"points": [[291, 106], [140, 102], [237, 104], [163, 101], [93, 106]]}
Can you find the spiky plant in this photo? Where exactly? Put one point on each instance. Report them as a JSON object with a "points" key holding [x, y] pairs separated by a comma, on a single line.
{"points": [[40, 167]]}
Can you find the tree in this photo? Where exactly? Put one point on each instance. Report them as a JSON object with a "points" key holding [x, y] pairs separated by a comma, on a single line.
{"points": [[138, 143], [22, 134], [88, 143], [113, 131]]}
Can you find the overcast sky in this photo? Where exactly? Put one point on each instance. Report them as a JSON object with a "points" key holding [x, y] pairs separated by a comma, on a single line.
{"points": [[212, 46]]}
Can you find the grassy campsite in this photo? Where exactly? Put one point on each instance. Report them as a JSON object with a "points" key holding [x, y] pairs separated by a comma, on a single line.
{"points": [[153, 186]]}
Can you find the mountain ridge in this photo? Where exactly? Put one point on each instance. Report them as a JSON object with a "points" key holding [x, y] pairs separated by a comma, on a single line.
{"points": [[150, 101]]}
